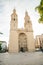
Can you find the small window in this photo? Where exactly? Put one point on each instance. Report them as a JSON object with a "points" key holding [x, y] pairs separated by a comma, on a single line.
{"points": [[28, 21], [14, 19]]}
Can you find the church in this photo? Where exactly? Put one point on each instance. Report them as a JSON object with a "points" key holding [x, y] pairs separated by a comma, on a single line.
{"points": [[21, 40]]}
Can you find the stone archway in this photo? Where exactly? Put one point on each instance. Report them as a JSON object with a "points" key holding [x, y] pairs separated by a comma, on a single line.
{"points": [[22, 42]]}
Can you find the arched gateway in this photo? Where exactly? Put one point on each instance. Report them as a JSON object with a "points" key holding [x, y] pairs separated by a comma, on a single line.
{"points": [[22, 42]]}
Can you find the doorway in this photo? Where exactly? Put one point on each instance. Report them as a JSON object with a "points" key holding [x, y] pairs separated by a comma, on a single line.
{"points": [[22, 42]]}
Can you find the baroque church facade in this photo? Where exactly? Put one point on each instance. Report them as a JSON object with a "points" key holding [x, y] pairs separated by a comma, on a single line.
{"points": [[21, 39]]}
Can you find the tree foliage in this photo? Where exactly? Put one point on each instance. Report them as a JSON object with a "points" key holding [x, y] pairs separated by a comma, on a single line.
{"points": [[40, 10], [0, 46], [1, 33]]}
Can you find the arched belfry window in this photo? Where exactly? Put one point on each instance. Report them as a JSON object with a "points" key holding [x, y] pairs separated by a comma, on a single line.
{"points": [[14, 19]]}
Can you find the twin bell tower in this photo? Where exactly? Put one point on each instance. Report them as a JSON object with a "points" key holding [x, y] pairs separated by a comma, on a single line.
{"points": [[21, 40]]}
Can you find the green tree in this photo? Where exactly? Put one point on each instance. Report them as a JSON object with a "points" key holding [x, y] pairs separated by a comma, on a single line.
{"points": [[40, 10], [0, 46], [0, 42]]}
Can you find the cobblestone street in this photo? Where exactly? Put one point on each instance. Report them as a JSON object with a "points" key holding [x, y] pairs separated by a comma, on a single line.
{"points": [[33, 58]]}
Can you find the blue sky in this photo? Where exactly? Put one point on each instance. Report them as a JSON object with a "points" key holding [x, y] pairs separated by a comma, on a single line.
{"points": [[6, 9]]}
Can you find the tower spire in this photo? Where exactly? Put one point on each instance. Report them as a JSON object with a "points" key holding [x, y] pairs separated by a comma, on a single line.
{"points": [[27, 23], [14, 20], [26, 15], [14, 10]]}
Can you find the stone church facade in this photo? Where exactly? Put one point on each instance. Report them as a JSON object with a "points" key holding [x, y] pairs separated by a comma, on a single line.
{"points": [[21, 39]]}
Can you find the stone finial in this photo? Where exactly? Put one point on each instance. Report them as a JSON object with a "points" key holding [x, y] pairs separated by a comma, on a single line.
{"points": [[14, 10], [26, 13]]}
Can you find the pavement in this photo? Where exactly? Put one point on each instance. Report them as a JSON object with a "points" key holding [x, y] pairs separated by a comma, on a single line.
{"points": [[27, 58]]}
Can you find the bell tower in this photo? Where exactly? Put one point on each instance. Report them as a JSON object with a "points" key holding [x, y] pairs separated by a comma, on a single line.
{"points": [[27, 23], [14, 20], [29, 32], [13, 38]]}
